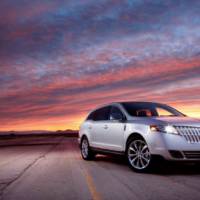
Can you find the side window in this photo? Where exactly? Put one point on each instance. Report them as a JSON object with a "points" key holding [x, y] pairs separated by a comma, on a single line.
{"points": [[101, 114], [163, 112], [90, 117], [116, 114], [144, 113]]}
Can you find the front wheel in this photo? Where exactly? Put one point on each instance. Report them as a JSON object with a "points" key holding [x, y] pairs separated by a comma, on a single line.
{"points": [[86, 152], [138, 155]]}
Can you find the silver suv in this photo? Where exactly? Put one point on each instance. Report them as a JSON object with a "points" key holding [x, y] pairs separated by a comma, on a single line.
{"points": [[141, 131]]}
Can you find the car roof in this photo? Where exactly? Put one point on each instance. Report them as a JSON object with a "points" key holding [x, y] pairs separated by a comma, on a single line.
{"points": [[136, 102], [127, 102]]}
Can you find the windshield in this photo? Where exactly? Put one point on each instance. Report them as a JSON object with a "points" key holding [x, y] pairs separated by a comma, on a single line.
{"points": [[147, 109]]}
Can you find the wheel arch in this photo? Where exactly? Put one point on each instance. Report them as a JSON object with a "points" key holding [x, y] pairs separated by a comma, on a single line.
{"points": [[83, 136], [134, 135]]}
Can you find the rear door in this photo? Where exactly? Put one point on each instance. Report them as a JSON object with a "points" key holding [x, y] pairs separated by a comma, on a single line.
{"points": [[99, 126]]}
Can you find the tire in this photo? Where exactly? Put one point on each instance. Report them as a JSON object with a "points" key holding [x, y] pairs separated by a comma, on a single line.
{"points": [[197, 164], [139, 156], [86, 152]]}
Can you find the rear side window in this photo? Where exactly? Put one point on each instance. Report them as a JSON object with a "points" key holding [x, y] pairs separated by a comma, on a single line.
{"points": [[90, 117], [100, 114]]}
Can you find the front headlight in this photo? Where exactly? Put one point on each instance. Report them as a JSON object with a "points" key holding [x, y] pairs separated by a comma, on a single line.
{"points": [[164, 129]]}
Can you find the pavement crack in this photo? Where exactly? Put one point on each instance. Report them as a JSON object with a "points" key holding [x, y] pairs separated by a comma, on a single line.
{"points": [[7, 184]]}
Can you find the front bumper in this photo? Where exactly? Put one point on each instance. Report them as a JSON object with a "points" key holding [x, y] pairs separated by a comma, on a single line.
{"points": [[173, 147]]}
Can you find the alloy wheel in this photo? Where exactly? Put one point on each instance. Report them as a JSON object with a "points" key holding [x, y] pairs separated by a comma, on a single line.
{"points": [[138, 154], [85, 148]]}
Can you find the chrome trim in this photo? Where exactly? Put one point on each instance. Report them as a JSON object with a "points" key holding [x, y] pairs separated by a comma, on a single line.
{"points": [[192, 154], [190, 133]]}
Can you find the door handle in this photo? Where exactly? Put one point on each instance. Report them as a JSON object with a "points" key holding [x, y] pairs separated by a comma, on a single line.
{"points": [[105, 126]]}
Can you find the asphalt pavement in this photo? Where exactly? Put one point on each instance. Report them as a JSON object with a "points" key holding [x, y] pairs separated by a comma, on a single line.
{"points": [[51, 168]]}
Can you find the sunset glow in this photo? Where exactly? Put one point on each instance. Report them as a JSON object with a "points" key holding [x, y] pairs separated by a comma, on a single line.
{"points": [[60, 59]]}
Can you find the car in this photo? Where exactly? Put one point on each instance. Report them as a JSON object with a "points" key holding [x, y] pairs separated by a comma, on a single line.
{"points": [[142, 131]]}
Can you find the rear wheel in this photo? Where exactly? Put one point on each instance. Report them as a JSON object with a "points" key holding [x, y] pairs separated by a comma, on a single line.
{"points": [[86, 152], [138, 155]]}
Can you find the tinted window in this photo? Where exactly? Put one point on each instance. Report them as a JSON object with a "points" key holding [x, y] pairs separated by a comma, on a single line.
{"points": [[90, 117], [148, 109], [100, 114], [115, 113]]}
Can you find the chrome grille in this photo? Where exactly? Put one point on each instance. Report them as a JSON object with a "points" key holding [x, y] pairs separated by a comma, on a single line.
{"points": [[192, 154], [190, 133]]}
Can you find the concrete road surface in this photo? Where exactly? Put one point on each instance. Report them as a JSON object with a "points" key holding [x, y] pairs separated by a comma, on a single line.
{"points": [[52, 168]]}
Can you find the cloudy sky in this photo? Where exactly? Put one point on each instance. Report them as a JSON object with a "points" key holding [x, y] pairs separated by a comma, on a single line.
{"points": [[61, 58]]}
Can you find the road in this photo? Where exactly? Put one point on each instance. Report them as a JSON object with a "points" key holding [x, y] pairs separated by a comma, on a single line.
{"points": [[52, 168]]}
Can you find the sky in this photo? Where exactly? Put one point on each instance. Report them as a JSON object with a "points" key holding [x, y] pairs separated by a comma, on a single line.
{"points": [[59, 59]]}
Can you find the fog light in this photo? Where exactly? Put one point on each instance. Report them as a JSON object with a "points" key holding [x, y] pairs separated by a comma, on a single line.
{"points": [[176, 154]]}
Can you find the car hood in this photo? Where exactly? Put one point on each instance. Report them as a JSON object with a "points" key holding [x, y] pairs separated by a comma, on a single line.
{"points": [[178, 121]]}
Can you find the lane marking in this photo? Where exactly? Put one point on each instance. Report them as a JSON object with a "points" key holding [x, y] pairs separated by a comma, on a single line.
{"points": [[95, 195]]}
